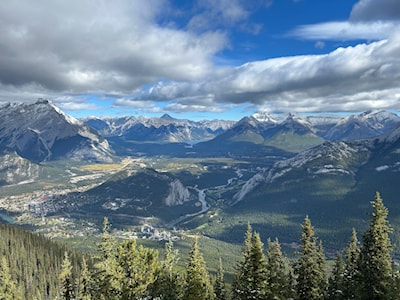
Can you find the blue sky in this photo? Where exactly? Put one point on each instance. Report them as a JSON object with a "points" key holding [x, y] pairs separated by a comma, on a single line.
{"points": [[201, 59]]}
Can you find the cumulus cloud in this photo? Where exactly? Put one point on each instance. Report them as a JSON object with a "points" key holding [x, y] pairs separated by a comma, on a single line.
{"points": [[372, 10], [369, 20], [347, 79], [53, 48], [97, 46]]}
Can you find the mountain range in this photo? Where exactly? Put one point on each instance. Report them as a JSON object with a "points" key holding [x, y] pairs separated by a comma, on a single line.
{"points": [[163, 129], [272, 171], [41, 132]]}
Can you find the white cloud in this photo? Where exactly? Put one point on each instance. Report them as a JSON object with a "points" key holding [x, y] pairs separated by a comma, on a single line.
{"points": [[372, 10], [50, 48], [369, 20], [138, 105], [345, 31], [97, 46], [347, 79]]}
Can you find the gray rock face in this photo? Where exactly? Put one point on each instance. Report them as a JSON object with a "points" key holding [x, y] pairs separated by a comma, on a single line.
{"points": [[40, 132], [15, 170], [178, 194]]}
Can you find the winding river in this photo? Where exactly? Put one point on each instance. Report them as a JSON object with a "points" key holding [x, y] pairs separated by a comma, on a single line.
{"points": [[202, 199]]}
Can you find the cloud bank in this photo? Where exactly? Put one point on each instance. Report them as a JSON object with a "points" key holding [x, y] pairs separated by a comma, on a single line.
{"points": [[131, 51]]}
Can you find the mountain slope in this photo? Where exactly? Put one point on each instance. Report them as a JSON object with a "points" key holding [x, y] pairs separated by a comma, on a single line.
{"points": [[41, 132], [293, 134], [363, 126], [127, 198], [290, 135], [332, 183]]}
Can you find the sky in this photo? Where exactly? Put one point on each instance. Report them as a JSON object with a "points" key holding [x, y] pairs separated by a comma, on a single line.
{"points": [[201, 59]]}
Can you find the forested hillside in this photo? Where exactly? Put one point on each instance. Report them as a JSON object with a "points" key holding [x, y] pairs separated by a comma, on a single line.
{"points": [[33, 267], [30, 264]]}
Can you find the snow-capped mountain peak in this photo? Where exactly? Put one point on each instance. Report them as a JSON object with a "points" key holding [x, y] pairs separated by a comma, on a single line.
{"points": [[265, 117]]}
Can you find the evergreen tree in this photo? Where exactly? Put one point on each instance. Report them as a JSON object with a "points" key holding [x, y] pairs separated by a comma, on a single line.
{"points": [[375, 257], [84, 282], [107, 276], [335, 288], [168, 285], [350, 280], [239, 282], [310, 267], [198, 285], [66, 280], [219, 285], [8, 287], [138, 269], [251, 277], [278, 273]]}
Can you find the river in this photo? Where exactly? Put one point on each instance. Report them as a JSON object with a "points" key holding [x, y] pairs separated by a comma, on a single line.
{"points": [[6, 217]]}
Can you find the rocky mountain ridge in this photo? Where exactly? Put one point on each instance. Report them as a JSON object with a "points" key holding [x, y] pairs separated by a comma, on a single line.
{"points": [[41, 132], [164, 128]]}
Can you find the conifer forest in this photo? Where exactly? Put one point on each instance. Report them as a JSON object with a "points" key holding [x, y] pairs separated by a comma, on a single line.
{"points": [[34, 267]]}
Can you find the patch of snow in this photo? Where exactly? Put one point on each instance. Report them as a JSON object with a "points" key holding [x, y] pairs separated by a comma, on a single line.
{"points": [[382, 168]]}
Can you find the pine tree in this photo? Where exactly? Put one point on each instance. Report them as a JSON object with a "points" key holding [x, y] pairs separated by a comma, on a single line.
{"points": [[375, 257], [66, 280], [219, 284], [168, 285], [310, 267], [335, 288], [278, 273], [198, 285], [350, 284], [251, 277]]}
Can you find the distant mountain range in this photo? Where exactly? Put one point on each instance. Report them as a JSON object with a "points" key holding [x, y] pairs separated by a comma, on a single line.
{"points": [[41, 132], [163, 129]]}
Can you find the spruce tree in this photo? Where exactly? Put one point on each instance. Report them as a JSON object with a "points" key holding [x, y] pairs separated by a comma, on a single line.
{"points": [[8, 287], [84, 282], [251, 277], [375, 257], [138, 268], [240, 281], [335, 287], [219, 284], [278, 273], [350, 280], [106, 279], [66, 280], [198, 285], [310, 267], [168, 285]]}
